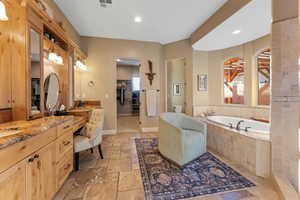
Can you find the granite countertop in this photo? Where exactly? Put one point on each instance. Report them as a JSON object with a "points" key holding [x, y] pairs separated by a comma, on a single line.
{"points": [[23, 130]]}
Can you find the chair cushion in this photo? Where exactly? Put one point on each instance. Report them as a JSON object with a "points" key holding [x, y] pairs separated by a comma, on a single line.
{"points": [[81, 143]]}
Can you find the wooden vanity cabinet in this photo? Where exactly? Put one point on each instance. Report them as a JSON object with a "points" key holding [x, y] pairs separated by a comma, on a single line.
{"points": [[34, 178], [36, 168]]}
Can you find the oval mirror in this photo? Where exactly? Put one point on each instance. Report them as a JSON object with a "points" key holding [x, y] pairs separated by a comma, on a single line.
{"points": [[51, 88]]}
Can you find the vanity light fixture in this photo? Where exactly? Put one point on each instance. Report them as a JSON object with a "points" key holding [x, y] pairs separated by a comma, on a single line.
{"points": [[80, 65], [55, 58], [3, 16], [236, 32]]}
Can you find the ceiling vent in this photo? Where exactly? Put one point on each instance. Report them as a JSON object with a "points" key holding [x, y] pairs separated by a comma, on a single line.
{"points": [[105, 3]]}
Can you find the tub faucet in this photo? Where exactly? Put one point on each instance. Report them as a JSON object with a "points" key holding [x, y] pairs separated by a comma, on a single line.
{"points": [[238, 125]]}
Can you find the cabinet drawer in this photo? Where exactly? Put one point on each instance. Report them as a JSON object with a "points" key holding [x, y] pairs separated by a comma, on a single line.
{"points": [[63, 145], [64, 168], [65, 128], [17, 152]]}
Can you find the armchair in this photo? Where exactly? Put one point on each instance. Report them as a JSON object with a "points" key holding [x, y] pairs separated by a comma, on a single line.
{"points": [[181, 138]]}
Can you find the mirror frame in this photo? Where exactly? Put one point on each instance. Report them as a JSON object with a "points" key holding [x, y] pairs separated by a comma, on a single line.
{"points": [[59, 91], [41, 114]]}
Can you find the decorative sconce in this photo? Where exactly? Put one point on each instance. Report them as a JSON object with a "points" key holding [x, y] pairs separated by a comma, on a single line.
{"points": [[3, 16], [80, 65], [54, 57], [150, 75]]}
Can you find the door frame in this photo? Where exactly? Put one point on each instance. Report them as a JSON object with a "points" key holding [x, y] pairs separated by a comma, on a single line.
{"points": [[166, 81], [116, 81]]}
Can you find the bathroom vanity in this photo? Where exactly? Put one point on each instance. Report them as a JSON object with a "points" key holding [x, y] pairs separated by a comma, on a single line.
{"points": [[36, 156]]}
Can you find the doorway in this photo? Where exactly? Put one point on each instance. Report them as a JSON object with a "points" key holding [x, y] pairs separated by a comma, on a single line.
{"points": [[128, 95], [176, 85]]}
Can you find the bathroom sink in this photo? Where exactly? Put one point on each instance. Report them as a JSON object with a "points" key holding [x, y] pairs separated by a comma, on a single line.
{"points": [[9, 132]]}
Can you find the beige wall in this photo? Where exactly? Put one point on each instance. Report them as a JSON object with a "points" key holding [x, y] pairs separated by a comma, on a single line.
{"points": [[211, 63], [102, 69], [60, 17]]}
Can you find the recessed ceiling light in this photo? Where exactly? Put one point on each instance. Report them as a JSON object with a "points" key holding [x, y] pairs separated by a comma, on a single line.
{"points": [[138, 19], [236, 32]]}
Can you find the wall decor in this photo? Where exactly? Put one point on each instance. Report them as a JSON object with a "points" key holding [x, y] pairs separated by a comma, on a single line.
{"points": [[177, 89], [202, 82], [151, 74]]}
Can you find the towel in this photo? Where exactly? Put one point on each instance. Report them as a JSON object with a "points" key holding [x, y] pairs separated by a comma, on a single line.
{"points": [[151, 101]]}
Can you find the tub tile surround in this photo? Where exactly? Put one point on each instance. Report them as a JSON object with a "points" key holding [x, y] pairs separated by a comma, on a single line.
{"points": [[251, 151], [234, 111]]}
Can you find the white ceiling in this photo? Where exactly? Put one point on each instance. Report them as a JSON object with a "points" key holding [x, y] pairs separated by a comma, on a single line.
{"points": [[164, 21], [254, 21]]}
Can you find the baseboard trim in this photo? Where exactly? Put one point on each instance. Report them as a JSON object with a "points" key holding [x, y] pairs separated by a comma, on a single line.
{"points": [[150, 129], [109, 132]]}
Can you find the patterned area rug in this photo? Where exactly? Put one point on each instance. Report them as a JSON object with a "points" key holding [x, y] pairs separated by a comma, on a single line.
{"points": [[165, 181]]}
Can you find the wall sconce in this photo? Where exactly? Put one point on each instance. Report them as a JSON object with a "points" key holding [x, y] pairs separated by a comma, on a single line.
{"points": [[3, 16], [54, 57], [80, 65]]}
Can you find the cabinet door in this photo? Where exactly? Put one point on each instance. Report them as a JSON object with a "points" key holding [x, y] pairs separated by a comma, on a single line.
{"points": [[41, 181], [13, 182], [5, 65], [48, 171]]}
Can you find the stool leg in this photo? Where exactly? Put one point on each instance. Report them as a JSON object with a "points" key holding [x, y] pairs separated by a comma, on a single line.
{"points": [[100, 151], [76, 161]]}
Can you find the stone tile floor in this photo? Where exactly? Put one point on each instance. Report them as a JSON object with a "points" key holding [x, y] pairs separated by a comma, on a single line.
{"points": [[117, 176], [127, 124]]}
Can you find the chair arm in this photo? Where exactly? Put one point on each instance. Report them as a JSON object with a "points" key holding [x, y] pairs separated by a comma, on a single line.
{"points": [[190, 123]]}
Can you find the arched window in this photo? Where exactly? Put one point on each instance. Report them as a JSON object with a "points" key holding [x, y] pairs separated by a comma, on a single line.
{"points": [[263, 69], [234, 81]]}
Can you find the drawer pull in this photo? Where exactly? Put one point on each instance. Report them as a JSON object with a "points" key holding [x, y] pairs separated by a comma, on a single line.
{"points": [[66, 143], [66, 127], [30, 160], [36, 156]]}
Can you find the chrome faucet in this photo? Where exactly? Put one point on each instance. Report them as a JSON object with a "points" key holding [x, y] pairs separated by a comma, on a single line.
{"points": [[238, 125]]}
